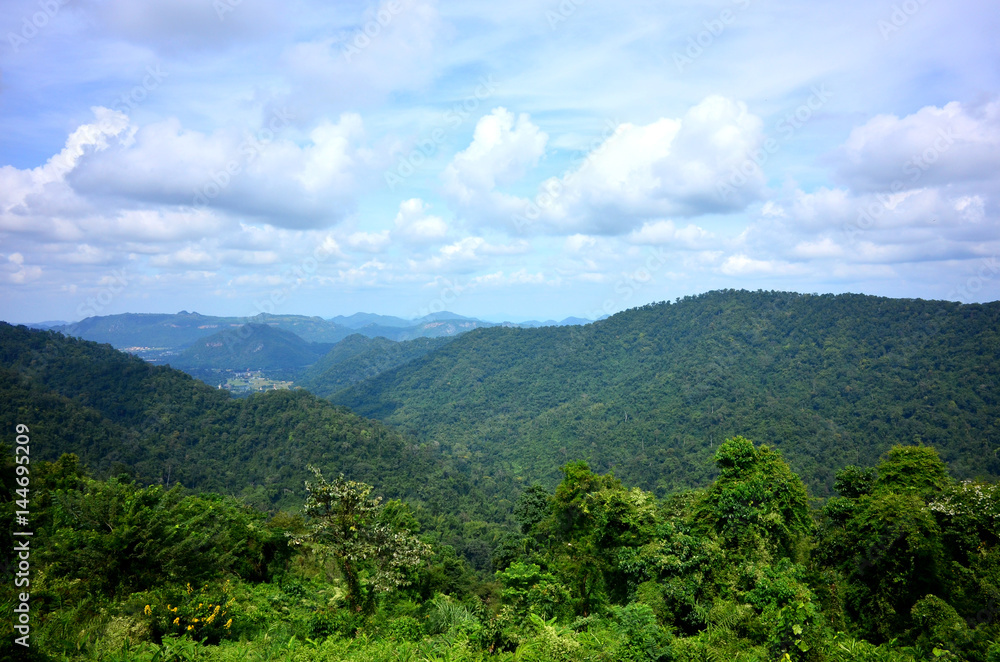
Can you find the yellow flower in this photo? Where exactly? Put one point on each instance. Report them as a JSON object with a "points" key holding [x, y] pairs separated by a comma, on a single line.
{"points": [[189, 589], [194, 620], [149, 612], [177, 621], [174, 610], [190, 627], [228, 623]]}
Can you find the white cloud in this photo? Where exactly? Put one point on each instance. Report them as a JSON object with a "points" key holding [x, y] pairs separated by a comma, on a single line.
{"points": [[360, 61], [503, 148], [743, 265], [933, 146], [414, 226], [639, 172], [369, 242], [666, 232], [262, 175], [467, 255], [16, 271]]}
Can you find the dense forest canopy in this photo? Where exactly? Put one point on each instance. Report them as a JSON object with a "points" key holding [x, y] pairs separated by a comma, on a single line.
{"points": [[831, 380]]}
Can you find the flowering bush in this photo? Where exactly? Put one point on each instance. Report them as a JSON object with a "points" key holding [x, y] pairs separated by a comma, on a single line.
{"points": [[203, 613]]}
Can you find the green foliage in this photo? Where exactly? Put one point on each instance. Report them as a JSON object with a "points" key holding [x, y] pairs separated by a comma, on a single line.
{"points": [[357, 357], [527, 589], [916, 469], [532, 507], [757, 505], [641, 639], [118, 537], [374, 555], [204, 613], [853, 482]]}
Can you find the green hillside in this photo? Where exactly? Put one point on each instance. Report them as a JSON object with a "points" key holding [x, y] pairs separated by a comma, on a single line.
{"points": [[359, 357], [651, 392], [251, 347], [118, 413]]}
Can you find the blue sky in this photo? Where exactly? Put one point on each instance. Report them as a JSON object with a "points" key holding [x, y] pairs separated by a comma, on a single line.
{"points": [[505, 160]]}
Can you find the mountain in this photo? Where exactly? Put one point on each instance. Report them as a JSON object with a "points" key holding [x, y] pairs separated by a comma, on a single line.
{"points": [[175, 331], [161, 337], [251, 347], [651, 392], [359, 357], [532, 324], [119, 413], [358, 320]]}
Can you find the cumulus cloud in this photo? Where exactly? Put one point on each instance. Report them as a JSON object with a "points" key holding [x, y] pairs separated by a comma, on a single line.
{"points": [[31, 200], [503, 148], [413, 225], [638, 172], [742, 265], [16, 271], [256, 174], [934, 146], [467, 255]]}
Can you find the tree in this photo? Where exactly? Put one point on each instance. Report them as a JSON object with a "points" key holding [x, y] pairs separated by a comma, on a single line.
{"points": [[374, 555], [756, 506]]}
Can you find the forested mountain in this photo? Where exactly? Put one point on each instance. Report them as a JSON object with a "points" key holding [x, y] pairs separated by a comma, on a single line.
{"points": [[118, 413], [651, 392], [251, 347], [358, 357]]}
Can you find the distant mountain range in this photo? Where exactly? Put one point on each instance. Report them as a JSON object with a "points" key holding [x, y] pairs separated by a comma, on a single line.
{"points": [[161, 338]]}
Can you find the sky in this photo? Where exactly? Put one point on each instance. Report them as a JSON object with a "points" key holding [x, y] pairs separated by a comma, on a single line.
{"points": [[515, 160]]}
